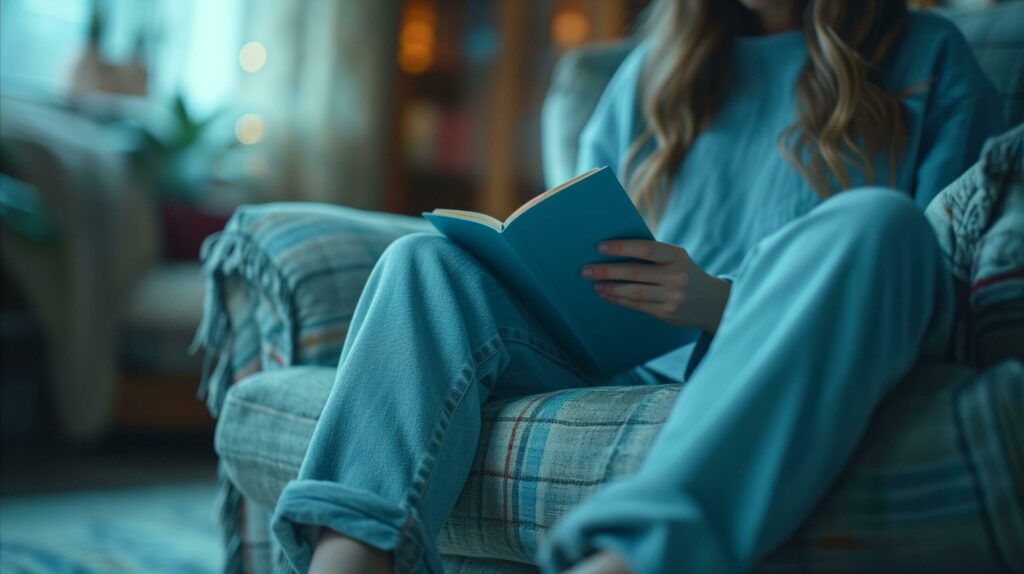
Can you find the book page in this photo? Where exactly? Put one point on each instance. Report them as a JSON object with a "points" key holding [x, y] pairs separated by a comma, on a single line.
{"points": [[526, 206], [472, 215]]}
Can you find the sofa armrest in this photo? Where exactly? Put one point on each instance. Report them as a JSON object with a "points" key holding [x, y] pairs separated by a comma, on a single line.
{"points": [[579, 79], [283, 280]]}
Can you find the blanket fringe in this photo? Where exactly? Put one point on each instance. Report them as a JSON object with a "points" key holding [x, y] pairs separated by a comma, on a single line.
{"points": [[228, 509], [224, 254]]}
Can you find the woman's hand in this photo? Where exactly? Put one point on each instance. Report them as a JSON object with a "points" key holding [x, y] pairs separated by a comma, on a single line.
{"points": [[671, 287]]}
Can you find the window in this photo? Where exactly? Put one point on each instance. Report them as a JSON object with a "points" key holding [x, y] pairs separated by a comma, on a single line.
{"points": [[187, 46]]}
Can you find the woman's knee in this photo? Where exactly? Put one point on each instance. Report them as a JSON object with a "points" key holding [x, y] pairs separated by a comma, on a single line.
{"points": [[420, 247], [886, 214]]}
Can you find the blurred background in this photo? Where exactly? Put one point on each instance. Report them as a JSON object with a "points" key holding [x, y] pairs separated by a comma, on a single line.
{"points": [[130, 130]]}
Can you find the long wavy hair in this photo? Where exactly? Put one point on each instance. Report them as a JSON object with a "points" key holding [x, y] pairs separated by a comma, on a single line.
{"points": [[845, 117]]}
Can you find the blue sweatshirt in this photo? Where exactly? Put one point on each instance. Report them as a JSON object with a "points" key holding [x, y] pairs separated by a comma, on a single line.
{"points": [[734, 187]]}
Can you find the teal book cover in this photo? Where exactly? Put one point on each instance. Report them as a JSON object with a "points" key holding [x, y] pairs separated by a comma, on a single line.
{"points": [[538, 253]]}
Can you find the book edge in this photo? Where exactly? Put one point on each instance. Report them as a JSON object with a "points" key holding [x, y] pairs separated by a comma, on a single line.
{"points": [[540, 198], [471, 216]]}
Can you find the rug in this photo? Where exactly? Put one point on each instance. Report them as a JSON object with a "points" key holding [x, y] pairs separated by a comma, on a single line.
{"points": [[161, 529]]}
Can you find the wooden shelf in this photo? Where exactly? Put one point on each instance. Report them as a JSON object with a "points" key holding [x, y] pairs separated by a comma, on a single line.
{"points": [[467, 129]]}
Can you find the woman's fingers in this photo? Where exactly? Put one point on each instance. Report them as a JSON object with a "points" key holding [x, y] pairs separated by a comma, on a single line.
{"points": [[657, 288], [638, 272], [657, 309], [654, 273], [643, 292], [654, 251]]}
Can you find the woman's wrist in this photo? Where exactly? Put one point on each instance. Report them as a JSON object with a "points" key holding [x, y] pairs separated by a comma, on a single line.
{"points": [[719, 296]]}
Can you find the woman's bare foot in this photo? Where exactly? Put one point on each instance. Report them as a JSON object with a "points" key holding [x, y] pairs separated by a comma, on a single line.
{"points": [[335, 553], [604, 562]]}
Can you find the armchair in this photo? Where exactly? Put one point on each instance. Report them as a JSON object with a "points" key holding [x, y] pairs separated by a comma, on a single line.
{"points": [[934, 485]]}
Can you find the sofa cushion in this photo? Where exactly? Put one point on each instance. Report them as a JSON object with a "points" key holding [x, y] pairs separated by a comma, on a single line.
{"points": [[934, 485], [160, 318], [994, 34]]}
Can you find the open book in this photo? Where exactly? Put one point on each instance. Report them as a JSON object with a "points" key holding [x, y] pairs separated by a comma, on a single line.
{"points": [[538, 253]]}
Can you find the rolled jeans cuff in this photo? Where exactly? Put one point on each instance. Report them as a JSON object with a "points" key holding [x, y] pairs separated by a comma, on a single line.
{"points": [[650, 533], [306, 506]]}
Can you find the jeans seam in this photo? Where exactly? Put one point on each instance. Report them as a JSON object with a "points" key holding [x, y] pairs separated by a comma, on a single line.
{"points": [[412, 546], [552, 354], [424, 472], [254, 406], [243, 456]]}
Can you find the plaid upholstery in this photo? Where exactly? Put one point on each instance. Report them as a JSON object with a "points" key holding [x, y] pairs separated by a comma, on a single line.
{"points": [[935, 484], [282, 282]]}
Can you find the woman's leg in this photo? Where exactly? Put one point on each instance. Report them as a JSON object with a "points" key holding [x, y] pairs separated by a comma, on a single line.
{"points": [[824, 317], [433, 336]]}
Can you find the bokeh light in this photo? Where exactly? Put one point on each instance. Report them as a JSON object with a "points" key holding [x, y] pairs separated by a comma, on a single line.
{"points": [[569, 28], [417, 32], [415, 59], [252, 56], [416, 38], [249, 129]]}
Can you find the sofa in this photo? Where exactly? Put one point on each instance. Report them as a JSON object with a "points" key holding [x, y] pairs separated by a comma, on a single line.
{"points": [[937, 483], [108, 306]]}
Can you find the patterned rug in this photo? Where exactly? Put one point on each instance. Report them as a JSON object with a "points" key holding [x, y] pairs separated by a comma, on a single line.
{"points": [[162, 529]]}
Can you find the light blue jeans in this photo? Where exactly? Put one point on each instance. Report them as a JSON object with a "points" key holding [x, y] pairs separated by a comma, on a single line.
{"points": [[824, 316]]}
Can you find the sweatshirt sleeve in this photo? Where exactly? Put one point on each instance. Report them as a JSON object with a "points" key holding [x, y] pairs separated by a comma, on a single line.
{"points": [[963, 111]]}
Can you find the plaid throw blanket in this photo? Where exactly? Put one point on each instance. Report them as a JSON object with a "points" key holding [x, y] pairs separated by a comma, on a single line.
{"points": [[282, 283]]}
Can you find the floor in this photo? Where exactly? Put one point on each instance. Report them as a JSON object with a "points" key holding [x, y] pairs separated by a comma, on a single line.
{"points": [[136, 503]]}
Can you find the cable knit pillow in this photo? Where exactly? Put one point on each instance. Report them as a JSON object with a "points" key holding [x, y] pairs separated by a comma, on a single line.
{"points": [[979, 221]]}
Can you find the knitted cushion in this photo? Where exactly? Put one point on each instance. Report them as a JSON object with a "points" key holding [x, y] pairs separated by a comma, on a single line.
{"points": [[934, 486], [979, 222]]}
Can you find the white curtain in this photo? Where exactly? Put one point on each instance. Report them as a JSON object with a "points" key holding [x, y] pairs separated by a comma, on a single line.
{"points": [[321, 104], [323, 96]]}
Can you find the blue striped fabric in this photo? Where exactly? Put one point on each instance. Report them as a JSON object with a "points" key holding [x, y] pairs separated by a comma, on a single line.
{"points": [[991, 424], [934, 486], [282, 282]]}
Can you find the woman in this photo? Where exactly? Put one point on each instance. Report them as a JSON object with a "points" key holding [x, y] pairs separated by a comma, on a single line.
{"points": [[744, 128]]}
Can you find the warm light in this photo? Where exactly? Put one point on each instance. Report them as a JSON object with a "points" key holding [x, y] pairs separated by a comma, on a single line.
{"points": [[569, 28], [415, 59], [416, 39], [420, 11], [249, 129], [252, 56], [417, 32]]}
